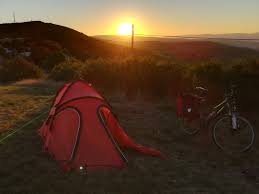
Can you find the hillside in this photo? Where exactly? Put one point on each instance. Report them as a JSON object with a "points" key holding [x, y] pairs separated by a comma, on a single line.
{"points": [[237, 40], [190, 49], [196, 50], [38, 41], [60, 37]]}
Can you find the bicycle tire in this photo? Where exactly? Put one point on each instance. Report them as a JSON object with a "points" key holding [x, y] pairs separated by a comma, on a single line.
{"points": [[236, 131], [187, 127]]}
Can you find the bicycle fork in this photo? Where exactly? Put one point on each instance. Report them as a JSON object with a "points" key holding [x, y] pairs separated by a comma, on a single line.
{"points": [[234, 120], [233, 114]]}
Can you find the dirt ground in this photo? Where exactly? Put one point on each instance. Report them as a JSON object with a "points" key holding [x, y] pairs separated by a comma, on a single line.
{"points": [[194, 164]]}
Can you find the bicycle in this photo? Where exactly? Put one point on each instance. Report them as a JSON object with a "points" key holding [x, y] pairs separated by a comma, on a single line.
{"points": [[230, 131]]}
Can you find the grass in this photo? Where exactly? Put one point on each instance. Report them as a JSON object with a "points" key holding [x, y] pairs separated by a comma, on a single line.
{"points": [[194, 164], [22, 99]]}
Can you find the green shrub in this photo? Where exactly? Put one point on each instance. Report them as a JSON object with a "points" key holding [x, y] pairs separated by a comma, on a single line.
{"points": [[252, 67], [53, 60], [2, 51], [145, 73], [68, 70], [18, 69], [44, 49], [156, 75]]}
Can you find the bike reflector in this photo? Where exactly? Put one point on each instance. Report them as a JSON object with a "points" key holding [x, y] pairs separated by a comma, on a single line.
{"points": [[187, 106]]}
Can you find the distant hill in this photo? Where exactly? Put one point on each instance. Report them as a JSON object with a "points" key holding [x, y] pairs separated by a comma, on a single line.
{"points": [[196, 50], [76, 43], [186, 49], [38, 41], [246, 40], [230, 35]]}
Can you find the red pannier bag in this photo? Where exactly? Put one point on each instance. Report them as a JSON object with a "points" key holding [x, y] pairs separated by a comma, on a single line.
{"points": [[187, 106]]}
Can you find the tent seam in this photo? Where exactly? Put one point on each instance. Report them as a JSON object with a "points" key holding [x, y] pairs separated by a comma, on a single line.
{"points": [[109, 133]]}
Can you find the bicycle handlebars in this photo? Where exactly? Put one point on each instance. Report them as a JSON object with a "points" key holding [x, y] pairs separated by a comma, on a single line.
{"points": [[201, 89]]}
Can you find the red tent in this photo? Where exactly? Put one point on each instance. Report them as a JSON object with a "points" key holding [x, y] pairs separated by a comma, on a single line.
{"points": [[82, 132]]}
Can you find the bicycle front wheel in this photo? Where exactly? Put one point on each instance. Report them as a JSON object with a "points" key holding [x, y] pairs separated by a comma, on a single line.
{"points": [[233, 140]]}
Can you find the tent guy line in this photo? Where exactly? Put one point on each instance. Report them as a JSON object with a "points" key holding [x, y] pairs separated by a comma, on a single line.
{"points": [[27, 123], [23, 126]]}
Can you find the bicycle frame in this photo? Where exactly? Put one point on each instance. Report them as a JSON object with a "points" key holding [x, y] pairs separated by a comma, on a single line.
{"points": [[216, 110], [220, 107], [225, 105]]}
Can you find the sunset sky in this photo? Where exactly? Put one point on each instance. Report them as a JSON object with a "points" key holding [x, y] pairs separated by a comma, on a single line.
{"points": [[151, 17]]}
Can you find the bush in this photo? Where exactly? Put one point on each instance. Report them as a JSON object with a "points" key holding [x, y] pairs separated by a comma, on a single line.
{"points": [[18, 69], [156, 75], [2, 51], [53, 60], [42, 50], [134, 73], [68, 70]]}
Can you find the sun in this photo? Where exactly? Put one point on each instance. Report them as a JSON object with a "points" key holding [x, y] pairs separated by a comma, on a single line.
{"points": [[125, 29]]}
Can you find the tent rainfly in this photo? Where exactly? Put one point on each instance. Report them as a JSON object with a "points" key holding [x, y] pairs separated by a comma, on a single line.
{"points": [[82, 132]]}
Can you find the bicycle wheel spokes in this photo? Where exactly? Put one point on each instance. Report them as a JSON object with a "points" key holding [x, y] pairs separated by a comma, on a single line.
{"points": [[233, 140]]}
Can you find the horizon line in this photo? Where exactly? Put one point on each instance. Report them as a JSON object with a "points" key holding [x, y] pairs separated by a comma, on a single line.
{"points": [[198, 36], [189, 36]]}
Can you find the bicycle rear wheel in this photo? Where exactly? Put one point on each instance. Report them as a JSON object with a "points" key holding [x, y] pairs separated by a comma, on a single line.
{"points": [[233, 140], [190, 127]]}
